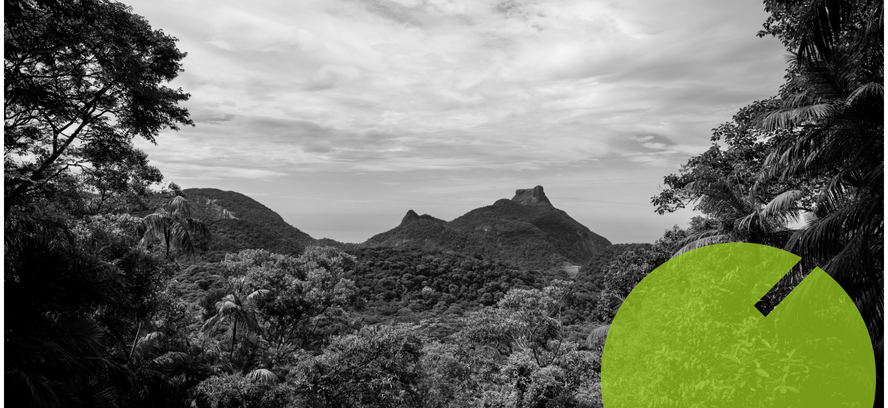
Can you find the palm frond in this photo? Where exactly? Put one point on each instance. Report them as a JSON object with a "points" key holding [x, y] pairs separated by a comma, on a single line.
{"points": [[868, 93], [172, 358], [262, 375], [227, 305], [258, 294], [155, 225], [784, 208], [718, 196], [824, 21], [597, 336], [182, 238], [41, 391], [98, 393], [198, 228], [789, 118], [181, 207], [702, 242]]}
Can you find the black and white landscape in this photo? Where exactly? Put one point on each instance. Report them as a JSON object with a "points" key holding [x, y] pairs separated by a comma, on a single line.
{"points": [[411, 203]]}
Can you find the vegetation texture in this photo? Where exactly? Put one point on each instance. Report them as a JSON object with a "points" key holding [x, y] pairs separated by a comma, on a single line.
{"points": [[124, 292]]}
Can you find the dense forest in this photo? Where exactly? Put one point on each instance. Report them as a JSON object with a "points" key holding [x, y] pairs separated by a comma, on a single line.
{"points": [[118, 293]]}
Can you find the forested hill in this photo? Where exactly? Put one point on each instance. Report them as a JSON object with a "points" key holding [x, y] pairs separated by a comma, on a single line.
{"points": [[250, 224], [526, 230]]}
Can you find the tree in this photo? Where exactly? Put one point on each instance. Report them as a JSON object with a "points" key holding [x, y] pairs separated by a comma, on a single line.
{"points": [[724, 184], [79, 293], [379, 366], [447, 378], [81, 80], [300, 293], [163, 357], [835, 98], [523, 320], [824, 153], [259, 388], [536, 365], [174, 227], [238, 307]]}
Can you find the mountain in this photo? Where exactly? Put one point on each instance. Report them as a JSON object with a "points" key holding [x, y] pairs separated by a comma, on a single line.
{"points": [[526, 230], [253, 225]]}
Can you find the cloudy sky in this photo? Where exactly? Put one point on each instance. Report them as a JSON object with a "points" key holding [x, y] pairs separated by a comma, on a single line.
{"points": [[341, 115]]}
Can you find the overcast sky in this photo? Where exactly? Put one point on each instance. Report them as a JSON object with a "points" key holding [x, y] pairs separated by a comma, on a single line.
{"points": [[341, 115]]}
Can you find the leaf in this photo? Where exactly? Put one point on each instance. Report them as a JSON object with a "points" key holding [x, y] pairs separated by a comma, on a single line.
{"points": [[762, 373], [262, 375], [598, 336]]}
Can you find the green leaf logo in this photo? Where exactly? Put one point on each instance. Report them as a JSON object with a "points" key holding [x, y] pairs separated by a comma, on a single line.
{"points": [[689, 335]]}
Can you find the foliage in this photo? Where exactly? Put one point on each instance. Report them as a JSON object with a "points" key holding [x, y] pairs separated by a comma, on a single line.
{"points": [[173, 227], [431, 285], [260, 388], [81, 79], [532, 237], [378, 366], [834, 96], [524, 319], [537, 366], [628, 267], [80, 291], [279, 303], [266, 319], [821, 154], [724, 184], [448, 376], [250, 225], [163, 356], [568, 381]]}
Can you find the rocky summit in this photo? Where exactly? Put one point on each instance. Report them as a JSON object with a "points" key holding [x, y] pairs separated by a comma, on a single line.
{"points": [[413, 216], [532, 196], [526, 230]]}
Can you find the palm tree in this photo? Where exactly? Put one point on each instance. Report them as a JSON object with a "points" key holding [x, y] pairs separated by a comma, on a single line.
{"points": [[236, 308], [835, 104], [55, 350], [174, 227], [164, 374], [742, 216]]}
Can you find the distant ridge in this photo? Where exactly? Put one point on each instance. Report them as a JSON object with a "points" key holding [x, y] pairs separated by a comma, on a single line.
{"points": [[255, 226], [412, 216], [526, 230]]}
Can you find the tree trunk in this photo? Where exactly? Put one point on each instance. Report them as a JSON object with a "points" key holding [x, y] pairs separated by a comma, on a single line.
{"points": [[129, 358], [233, 339]]}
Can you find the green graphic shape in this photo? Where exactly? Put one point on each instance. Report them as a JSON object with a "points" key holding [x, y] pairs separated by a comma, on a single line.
{"points": [[689, 335]]}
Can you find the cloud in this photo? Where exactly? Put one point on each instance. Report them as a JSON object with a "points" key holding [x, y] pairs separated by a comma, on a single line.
{"points": [[210, 116], [504, 89]]}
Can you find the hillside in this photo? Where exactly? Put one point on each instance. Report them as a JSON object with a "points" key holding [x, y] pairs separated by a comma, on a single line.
{"points": [[253, 226], [526, 230]]}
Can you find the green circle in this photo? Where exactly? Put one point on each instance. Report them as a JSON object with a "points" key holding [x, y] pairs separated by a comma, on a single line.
{"points": [[689, 335]]}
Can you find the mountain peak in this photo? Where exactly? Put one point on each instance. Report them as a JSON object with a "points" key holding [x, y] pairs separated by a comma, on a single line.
{"points": [[410, 216], [413, 216], [532, 196]]}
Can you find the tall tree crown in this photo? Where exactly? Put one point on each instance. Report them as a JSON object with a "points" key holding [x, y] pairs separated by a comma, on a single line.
{"points": [[81, 80]]}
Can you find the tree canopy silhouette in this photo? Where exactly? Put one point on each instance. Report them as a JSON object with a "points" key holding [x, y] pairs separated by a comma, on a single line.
{"points": [[81, 80]]}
